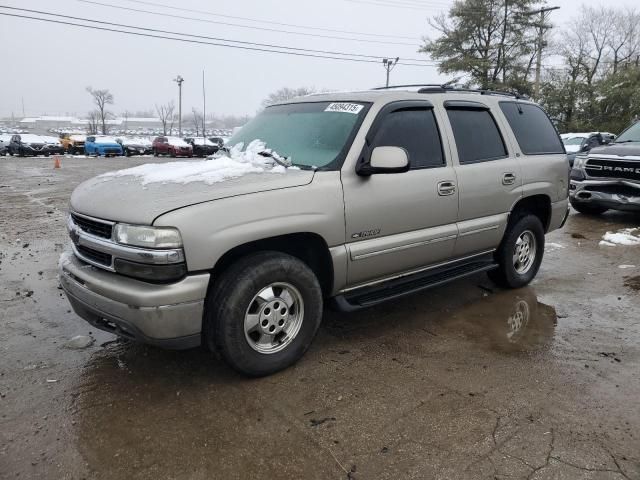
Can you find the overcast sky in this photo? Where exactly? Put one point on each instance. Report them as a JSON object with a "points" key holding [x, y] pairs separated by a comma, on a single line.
{"points": [[50, 65]]}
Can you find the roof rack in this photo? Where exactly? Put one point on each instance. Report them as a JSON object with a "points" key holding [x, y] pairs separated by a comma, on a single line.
{"points": [[445, 88]]}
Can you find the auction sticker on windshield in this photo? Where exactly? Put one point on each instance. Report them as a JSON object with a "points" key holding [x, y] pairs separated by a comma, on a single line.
{"points": [[344, 108]]}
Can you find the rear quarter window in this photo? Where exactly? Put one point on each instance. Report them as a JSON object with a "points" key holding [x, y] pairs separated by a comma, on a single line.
{"points": [[532, 128]]}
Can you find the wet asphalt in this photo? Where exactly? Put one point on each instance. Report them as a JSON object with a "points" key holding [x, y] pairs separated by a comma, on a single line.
{"points": [[466, 381]]}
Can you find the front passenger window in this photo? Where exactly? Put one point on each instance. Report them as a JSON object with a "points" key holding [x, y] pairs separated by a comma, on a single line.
{"points": [[416, 131]]}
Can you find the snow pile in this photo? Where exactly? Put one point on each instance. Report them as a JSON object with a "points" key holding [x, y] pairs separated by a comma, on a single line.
{"points": [[219, 169], [626, 237]]}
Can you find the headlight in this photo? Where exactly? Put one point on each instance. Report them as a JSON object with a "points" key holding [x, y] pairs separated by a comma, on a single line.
{"points": [[580, 161], [149, 237]]}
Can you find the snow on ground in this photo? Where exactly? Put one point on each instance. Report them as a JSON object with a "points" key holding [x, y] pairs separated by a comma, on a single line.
{"points": [[626, 266], [553, 246], [625, 236], [219, 169]]}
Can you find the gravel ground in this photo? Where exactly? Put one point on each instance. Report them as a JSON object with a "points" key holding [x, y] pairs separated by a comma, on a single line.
{"points": [[464, 381]]}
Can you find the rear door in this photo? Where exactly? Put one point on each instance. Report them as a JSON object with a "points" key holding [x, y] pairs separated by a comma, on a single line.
{"points": [[489, 176], [402, 221], [545, 169]]}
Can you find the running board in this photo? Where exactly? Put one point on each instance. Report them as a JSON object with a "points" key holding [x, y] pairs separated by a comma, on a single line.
{"points": [[373, 295]]}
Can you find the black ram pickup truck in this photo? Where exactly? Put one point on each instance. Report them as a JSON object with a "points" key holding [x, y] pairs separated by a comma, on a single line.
{"points": [[608, 177]]}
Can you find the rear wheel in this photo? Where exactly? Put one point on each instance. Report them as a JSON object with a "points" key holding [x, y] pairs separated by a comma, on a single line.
{"points": [[588, 209], [520, 254], [263, 313]]}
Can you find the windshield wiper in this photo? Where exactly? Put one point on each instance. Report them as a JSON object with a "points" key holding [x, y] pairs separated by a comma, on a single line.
{"points": [[284, 161]]}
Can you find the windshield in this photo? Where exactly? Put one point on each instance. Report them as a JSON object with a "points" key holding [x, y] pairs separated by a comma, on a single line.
{"points": [[573, 140], [307, 134], [631, 134]]}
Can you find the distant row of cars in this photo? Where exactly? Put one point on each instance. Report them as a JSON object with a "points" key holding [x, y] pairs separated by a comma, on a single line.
{"points": [[24, 145]]}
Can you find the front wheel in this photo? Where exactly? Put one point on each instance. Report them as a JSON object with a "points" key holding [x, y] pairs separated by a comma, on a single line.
{"points": [[520, 254], [263, 313]]}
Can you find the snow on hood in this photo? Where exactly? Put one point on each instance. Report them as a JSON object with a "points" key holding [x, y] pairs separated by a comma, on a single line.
{"points": [[141, 194], [105, 140], [78, 138], [31, 138], [219, 169], [177, 142], [204, 141], [625, 236]]}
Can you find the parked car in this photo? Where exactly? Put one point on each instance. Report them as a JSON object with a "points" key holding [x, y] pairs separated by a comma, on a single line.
{"points": [[135, 146], [102, 146], [583, 142], [393, 192], [608, 177], [73, 144], [5, 139], [30, 145], [202, 147], [219, 141], [53, 146], [173, 146]]}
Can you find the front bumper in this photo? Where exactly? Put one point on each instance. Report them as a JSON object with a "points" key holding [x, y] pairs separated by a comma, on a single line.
{"points": [[614, 194], [166, 315]]}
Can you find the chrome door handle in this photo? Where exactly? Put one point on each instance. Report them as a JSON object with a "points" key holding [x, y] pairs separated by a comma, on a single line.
{"points": [[446, 188], [508, 178]]}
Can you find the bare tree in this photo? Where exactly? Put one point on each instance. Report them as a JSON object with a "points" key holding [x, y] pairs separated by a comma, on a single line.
{"points": [[286, 94], [92, 122], [102, 98], [198, 121], [165, 114]]}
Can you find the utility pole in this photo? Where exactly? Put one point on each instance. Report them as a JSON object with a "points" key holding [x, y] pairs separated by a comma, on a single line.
{"points": [[389, 64], [542, 27], [179, 81]]}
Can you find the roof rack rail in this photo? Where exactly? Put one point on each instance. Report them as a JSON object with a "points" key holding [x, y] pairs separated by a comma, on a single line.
{"points": [[414, 85], [444, 88]]}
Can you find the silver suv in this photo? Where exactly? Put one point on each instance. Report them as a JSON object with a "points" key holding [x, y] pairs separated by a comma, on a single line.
{"points": [[368, 196]]}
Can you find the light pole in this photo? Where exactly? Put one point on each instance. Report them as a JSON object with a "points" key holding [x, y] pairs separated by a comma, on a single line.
{"points": [[179, 81], [389, 65]]}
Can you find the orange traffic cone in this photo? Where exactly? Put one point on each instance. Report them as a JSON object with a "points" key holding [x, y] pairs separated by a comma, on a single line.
{"points": [[56, 162]]}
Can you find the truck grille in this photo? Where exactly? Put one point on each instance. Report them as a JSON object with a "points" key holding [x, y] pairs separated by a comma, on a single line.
{"points": [[600, 167], [92, 227], [94, 255]]}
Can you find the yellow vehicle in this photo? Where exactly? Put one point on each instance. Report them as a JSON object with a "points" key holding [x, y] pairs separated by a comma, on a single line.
{"points": [[73, 143]]}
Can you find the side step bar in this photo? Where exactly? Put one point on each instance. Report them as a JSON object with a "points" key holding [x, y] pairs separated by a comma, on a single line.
{"points": [[373, 295]]}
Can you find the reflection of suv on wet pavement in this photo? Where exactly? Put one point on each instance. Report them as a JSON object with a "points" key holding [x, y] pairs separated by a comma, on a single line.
{"points": [[367, 196], [608, 177]]}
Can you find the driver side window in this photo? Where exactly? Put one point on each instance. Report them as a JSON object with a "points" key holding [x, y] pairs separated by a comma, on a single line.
{"points": [[415, 130]]}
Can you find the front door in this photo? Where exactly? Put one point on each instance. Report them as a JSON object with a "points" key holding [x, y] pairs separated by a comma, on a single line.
{"points": [[402, 221]]}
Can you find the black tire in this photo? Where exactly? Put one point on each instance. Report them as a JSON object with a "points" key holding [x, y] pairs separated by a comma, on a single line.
{"points": [[229, 299], [506, 275], [588, 208], [155, 152]]}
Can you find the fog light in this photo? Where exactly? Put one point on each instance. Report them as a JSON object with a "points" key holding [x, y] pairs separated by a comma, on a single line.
{"points": [[151, 273]]}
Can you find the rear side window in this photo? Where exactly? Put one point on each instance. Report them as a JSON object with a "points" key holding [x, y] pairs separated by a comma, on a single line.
{"points": [[477, 136], [416, 131], [534, 131]]}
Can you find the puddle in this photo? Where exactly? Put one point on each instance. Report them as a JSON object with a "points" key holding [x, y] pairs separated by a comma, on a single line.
{"points": [[509, 321]]}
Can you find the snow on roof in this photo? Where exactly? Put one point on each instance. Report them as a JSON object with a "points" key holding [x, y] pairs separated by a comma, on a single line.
{"points": [[219, 169], [105, 139]]}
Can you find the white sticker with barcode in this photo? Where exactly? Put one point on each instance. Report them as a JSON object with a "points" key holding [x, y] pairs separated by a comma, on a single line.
{"points": [[344, 108]]}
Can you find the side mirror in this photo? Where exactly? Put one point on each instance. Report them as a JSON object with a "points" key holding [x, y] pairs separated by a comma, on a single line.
{"points": [[385, 160], [585, 148]]}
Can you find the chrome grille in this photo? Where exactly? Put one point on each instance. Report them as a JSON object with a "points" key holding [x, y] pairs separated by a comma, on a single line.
{"points": [[93, 227], [94, 255], [605, 168]]}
